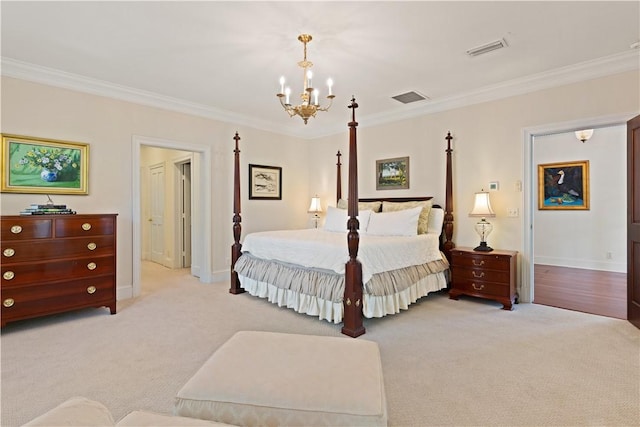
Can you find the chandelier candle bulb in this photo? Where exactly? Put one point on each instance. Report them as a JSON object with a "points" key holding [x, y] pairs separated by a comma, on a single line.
{"points": [[287, 93], [330, 84], [309, 77], [282, 84]]}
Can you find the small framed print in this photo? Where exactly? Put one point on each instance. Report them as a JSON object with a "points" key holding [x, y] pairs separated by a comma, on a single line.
{"points": [[265, 182], [494, 186], [392, 174]]}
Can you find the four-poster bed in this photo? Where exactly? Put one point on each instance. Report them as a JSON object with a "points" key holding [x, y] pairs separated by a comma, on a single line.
{"points": [[313, 278]]}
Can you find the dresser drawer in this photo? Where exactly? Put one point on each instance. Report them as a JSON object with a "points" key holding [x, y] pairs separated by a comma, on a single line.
{"points": [[72, 226], [43, 272], [463, 273], [22, 251], [17, 228], [495, 262], [35, 300]]}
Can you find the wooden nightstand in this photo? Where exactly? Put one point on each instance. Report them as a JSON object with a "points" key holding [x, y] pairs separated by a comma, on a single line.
{"points": [[490, 275]]}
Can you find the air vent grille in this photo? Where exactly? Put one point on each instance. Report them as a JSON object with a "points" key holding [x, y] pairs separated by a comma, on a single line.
{"points": [[480, 50], [409, 97]]}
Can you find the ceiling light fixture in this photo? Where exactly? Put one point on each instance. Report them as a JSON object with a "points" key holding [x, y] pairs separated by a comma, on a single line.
{"points": [[584, 135], [309, 107]]}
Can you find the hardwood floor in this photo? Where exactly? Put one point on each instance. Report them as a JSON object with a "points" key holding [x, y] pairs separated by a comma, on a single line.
{"points": [[591, 291]]}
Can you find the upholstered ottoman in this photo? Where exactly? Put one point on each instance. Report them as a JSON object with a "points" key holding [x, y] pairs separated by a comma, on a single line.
{"points": [[275, 379]]}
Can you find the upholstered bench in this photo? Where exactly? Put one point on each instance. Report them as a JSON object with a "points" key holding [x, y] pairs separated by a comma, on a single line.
{"points": [[275, 379]]}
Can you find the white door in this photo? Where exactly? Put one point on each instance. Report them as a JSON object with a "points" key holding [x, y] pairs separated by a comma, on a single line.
{"points": [[157, 213], [185, 215]]}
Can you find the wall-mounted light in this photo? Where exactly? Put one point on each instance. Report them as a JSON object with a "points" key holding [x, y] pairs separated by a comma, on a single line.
{"points": [[584, 135]]}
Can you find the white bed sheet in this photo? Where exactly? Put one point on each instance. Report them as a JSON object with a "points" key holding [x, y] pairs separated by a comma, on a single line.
{"points": [[317, 248]]}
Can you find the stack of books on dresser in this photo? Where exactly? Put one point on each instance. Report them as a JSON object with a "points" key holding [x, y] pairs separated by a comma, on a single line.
{"points": [[47, 209]]}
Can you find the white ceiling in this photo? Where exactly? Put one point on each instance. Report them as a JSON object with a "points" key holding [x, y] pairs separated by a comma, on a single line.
{"points": [[224, 59]]}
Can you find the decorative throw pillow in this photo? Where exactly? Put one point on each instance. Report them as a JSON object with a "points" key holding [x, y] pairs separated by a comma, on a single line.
{"points": [[423, 221], [362, 206], [399, 223], [336, 219]]}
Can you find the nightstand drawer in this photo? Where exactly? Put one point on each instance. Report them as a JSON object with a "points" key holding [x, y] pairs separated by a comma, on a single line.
{"points": [[481, 288], [501, 276], [493, 262]]}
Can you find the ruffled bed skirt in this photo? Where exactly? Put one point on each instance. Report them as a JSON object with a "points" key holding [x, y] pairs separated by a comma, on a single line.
{"points": [[373, 305]]}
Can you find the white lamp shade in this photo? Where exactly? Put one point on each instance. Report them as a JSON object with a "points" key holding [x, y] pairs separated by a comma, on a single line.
{"points": [[315, 205], [482, 205]]}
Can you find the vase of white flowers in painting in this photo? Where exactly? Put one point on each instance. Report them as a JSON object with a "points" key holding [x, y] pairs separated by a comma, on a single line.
{"points": [[53, 163]]}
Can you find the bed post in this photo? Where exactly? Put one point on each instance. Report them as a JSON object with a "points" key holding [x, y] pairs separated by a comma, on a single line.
{"points": [[236, 248], [338, 178], [448, 206], [353, 269]]}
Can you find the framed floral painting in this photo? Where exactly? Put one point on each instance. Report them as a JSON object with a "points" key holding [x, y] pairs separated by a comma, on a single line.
{"points": [[37, 165]]}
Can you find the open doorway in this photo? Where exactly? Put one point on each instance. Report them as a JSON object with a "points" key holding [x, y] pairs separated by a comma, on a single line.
{"points": [[188, 239], [530, 197]]}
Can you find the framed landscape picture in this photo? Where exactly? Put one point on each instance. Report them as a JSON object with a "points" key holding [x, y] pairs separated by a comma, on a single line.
{"points": [[392, 174], [265, 182], [563, 186], [38, 165]]}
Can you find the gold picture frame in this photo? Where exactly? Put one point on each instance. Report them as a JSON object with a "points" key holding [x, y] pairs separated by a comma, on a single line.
{"points": [[44, 166], [563, 186]]}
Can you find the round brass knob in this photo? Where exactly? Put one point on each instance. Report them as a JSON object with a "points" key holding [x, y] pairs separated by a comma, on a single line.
{"points": [[16, 229], [8, 275], [9, 252], [8, 302], [86, 226], [92, 246], [91, 290], [92, 266]]}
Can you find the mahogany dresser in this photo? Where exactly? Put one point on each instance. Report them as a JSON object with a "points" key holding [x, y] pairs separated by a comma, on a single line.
{"points": [[490, 275], [57, 263]]}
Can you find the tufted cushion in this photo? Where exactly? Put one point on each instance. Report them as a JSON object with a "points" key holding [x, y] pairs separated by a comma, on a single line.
{"points": [[275, 379]]}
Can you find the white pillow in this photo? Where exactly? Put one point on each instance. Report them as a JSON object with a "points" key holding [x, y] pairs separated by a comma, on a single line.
{"points": [[398, 223], [436, 219], [336, 219]]}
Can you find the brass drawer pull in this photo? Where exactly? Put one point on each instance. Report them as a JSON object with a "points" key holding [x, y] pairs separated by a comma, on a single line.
{"points": [[16, 229], [92, 246], [478, 276], [91, 290], [9, 252], [92, 266], [8, 275], [8, 302], [478, 263], [86, 226], [476, 287], [348, 301]]}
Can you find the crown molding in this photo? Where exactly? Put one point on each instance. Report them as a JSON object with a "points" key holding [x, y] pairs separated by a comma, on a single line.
{"points": [[62, 79], [588, 70], [614, 64]]}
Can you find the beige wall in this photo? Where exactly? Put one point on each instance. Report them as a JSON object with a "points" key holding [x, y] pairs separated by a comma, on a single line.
{"points": [[488, 146], [109, 125]]}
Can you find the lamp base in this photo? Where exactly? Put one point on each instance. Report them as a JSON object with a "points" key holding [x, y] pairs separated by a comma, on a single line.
{"points": [[483, 247]]}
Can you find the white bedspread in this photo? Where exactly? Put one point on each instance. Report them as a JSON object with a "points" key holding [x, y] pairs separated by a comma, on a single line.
{"points": [[328, 250]]}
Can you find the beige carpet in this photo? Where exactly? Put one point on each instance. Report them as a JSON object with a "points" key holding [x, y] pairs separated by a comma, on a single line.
{"points": [[445, 362]]}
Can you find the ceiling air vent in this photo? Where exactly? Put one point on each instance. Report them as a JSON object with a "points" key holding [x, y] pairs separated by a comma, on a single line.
{"points": [[409, 97], [498, 44]]}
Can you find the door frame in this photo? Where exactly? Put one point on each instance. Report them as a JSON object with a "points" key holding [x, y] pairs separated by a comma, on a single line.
{"points": [[201, 199], [526, 291], [178, 211]]}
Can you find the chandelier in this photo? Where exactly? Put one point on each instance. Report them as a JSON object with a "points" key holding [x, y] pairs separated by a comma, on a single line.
{"points": [[309, 96]]}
